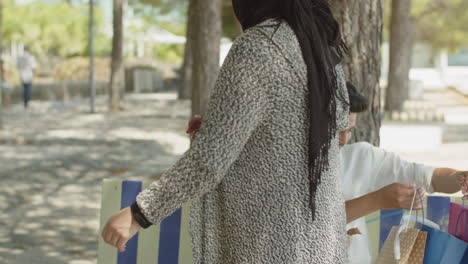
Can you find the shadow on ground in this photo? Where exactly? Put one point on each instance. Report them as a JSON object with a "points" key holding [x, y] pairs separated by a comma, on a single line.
{"points": [[50, 188]]}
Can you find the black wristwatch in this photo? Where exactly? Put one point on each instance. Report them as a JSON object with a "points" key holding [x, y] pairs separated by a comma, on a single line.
{"points": [[139, 216]]}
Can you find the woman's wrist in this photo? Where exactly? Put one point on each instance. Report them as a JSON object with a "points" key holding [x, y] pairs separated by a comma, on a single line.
{"points": [[139, 217]]}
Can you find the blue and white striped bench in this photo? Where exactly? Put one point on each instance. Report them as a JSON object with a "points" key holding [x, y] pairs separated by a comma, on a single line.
{"points": [[167, 243]]}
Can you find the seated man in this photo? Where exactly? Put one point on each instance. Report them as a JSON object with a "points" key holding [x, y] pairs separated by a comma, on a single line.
{"points": [[375, 179]]}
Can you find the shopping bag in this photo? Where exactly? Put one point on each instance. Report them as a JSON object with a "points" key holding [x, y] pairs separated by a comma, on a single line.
{"points": [[419, 247], [438, 209], [405, 245], [443, 248], [166, 243], [465, 258], [380, 223], [412, 246], [458, 221]]}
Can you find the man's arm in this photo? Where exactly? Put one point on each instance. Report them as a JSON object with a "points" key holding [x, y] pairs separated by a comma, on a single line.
{"points": [[361, 206], [386, 168], [393, 196], [447, 180], [400, 196]]}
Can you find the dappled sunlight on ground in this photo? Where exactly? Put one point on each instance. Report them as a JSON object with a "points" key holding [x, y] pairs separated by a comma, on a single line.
{"points": [[54, 159]]}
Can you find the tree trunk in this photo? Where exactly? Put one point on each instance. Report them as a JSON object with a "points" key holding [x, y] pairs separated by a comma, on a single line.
{"points": [[206, 42], [92, 85], [401, 45], [238, 27], [361, 25], [185, 88], [116, 86], [1, 72]]}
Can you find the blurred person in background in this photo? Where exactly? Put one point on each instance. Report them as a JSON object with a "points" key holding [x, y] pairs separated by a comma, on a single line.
{"points": [[4, 89], [26, 64]]}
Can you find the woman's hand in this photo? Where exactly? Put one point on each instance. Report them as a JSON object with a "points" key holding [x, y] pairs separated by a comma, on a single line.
{"points": [[120, 228], [399, 196], [194, 126]]}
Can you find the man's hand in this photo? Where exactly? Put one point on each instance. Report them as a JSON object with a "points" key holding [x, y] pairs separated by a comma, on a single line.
{"points": [[399, 196], [120, 228], [462, 178]]}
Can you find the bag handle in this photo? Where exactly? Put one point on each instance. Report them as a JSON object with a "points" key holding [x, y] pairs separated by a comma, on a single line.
{"points": [[406, 219], [404, 224]]}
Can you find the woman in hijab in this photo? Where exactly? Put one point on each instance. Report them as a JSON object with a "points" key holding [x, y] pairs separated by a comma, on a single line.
{"points": [[263, 171]]}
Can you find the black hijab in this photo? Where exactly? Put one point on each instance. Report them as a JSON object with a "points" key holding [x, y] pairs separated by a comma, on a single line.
{"points": [[322, 48]]}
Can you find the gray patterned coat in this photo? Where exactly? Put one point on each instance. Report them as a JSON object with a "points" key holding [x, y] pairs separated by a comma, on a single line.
{"points": [[246, 173]]}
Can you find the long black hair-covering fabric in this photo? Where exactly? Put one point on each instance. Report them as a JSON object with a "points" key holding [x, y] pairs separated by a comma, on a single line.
{"points": [[319, 36]]}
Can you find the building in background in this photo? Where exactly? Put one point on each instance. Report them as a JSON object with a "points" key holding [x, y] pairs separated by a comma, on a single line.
{"points": [[432, 69]]}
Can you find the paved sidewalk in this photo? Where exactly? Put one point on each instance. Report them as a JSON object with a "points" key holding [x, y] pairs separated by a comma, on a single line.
{"points": [[433, 143], [53, 159]]}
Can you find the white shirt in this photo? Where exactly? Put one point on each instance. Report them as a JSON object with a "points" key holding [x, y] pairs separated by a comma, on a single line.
{"points": [[26, 64], [366, 169]]}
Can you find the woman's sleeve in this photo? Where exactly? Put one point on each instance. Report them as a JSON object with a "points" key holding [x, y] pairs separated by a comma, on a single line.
{"points": [[237, 106]]}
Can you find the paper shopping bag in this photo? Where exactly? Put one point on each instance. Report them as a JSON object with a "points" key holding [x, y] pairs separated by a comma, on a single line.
{"points": [[442, 248], [419, 247], [412, 247]]}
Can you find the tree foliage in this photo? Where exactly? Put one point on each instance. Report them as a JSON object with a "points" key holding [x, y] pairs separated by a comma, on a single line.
{"points": [[172, 15], [161, 11], [441, 23], [58, 29]]}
